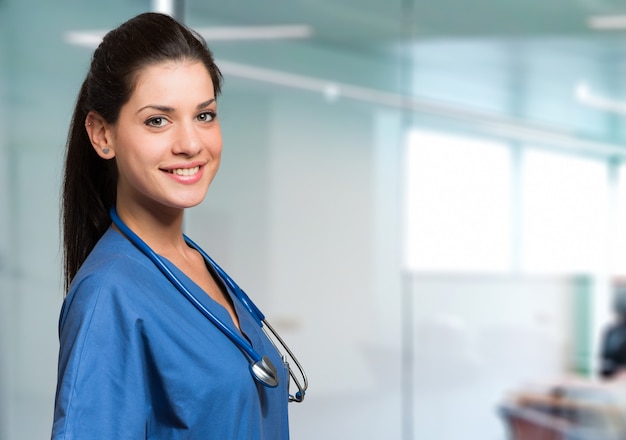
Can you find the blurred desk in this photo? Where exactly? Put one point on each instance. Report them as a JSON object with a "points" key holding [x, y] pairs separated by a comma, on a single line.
{"points": [[572, 412]]}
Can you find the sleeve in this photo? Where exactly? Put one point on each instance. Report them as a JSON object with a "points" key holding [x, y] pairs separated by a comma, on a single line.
{"points": [[101, 392]]}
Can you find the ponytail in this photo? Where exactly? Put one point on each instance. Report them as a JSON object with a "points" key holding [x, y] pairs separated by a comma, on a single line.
{"points": [[89, 190]]}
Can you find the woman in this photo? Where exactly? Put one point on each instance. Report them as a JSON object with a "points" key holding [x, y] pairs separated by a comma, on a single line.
{"points": [[138, 359]]}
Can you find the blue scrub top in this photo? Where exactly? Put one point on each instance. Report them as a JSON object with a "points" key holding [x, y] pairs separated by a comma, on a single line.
{"points": [[138, 361]]}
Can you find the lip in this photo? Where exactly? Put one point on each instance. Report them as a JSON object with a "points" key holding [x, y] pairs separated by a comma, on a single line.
{"points": [[187, 173]]}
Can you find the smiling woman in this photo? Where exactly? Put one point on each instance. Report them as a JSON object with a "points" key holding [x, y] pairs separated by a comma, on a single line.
{"points": [[173, 110], [137, 358]]}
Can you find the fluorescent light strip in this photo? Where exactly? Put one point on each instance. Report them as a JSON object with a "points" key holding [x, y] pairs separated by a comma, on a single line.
{"points": [[585, 96], [607, 22], [92, 38], [255, 32]]}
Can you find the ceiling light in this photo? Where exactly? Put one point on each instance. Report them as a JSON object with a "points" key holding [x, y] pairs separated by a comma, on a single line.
{"points": [[586, 97], [93, 38], [607, 22], [255, 32], [89, 39]]}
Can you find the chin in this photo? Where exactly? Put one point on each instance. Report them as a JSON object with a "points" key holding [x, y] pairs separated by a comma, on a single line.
{"points": [[189, 203], [184, 199]]}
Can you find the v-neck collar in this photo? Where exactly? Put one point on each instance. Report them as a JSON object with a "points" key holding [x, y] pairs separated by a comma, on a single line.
{"points": [[248, 327]]}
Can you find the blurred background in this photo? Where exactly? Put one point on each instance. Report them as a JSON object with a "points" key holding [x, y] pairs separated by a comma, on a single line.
{"points": [[426, 198]]}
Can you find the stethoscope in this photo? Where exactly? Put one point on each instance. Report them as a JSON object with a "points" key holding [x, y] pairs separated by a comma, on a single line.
{"points": [[261, 367]]}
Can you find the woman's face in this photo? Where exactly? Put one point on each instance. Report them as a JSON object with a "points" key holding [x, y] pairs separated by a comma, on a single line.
{"points": [[167, 141]]}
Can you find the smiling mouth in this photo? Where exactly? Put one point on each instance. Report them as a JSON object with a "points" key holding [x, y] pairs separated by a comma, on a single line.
{"points": [[185, 171]]}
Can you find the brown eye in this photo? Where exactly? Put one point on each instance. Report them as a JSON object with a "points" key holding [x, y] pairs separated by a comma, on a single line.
{"points": [[206, 116], [156, 122]]}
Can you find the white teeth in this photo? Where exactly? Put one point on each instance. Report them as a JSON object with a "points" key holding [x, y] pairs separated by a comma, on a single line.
{"points": [[185, 171]]}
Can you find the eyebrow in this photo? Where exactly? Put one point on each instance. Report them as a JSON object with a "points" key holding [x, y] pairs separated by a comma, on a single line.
{"points": [[167, 109], [205, 104]]}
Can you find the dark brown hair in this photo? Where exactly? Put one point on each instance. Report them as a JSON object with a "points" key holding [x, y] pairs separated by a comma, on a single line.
{"points": [[90, 183]]}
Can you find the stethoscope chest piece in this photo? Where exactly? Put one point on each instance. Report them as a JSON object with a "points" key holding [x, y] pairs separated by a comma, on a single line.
{"points": [[264, 371]]}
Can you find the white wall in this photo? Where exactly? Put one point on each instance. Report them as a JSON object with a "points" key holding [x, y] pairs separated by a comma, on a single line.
{"points": [[36, 295]]}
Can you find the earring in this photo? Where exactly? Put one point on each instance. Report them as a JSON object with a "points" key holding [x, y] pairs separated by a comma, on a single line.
{"points": [[105, 151]]}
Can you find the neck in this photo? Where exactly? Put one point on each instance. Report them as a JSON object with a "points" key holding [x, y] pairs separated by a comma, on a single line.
{"points": [[160, 229]]}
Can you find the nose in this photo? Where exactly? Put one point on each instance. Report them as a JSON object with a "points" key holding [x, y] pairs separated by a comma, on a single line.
{"points": [[188, 140]]}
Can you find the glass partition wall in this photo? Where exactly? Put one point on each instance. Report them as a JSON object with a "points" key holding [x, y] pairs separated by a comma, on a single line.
{"points": [[384, 197]]}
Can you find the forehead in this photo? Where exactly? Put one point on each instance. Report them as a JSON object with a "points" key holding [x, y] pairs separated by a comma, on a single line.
{"points": [[172, 79]]}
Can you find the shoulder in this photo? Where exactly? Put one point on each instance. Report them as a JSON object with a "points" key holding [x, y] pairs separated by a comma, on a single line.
{"points": [[113, 275], [112, 254], [114, 260], [101, 337]]}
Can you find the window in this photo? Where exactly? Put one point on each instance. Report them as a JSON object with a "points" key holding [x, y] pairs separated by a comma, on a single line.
{"points": [[458, 204], [471, 208], [565, 207], [616, 235]]}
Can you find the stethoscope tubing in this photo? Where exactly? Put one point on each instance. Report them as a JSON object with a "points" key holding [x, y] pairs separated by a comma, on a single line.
{"points": [[258, 315], [234, 287], [302, 387], [261, 367], [143, 247]]}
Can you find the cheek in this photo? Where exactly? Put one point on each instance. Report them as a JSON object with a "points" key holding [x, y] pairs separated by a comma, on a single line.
{"points": [[135, 166], [140, 150], [216, 145]]}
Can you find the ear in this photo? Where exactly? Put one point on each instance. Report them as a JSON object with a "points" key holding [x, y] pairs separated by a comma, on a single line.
{"points": [[100, 134]]}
